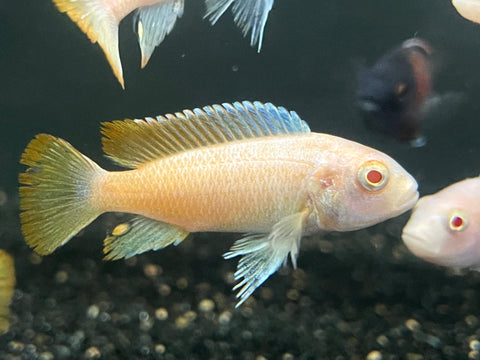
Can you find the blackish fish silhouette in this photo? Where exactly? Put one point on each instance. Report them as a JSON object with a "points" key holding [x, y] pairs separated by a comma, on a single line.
{"points": [[392, 93]]}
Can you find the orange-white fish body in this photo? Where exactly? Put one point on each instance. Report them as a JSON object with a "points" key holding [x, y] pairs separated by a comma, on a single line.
{"points": [[227, 187], [245, 167], [246, 186], [153, 20], [444, 228], [469, 9]]}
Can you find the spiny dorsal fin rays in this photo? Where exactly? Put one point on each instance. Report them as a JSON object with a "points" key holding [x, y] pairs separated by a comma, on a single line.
{"points": [[249, 15], [99, 25], [153, 23], [131, 143]]}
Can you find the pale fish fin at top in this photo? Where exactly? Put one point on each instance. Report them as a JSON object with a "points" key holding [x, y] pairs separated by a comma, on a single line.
{"points": [[153, 23], [7, 285], [132, 143], [249, 15], [100, 25], [139, 235], [263, 254]]}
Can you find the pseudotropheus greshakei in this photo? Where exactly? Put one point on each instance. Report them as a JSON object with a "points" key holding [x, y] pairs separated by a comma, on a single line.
{"points": [[245, 167]]}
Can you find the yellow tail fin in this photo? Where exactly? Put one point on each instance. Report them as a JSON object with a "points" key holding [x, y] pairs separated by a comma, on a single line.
{"points": [[100, 25], [55, 199]]}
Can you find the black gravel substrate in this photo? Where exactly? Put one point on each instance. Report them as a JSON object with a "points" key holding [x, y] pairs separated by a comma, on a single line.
{"points": [[356, 295]]}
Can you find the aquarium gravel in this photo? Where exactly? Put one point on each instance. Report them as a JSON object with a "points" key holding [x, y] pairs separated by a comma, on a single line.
{"points": [[354, 296]]}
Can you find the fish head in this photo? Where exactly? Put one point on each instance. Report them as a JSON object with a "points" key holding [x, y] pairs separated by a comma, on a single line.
{"points": [[443, 228], [386, 87], [386, 100], [366, 188], [391, 93]]}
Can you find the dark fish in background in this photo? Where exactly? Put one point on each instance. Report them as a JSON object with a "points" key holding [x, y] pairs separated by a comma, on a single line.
{"points": [[392, 94]]}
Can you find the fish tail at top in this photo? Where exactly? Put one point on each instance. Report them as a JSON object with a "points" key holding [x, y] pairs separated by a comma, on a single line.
{"points": [[250, 15], [56, 194], [100, 24]]}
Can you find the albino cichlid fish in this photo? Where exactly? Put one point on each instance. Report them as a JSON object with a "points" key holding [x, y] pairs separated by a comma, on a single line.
{"points": [[245, 167], [153, 20], [445, 227], [7, 286]]}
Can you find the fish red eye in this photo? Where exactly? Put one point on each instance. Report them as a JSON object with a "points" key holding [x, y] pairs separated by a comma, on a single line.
{"points": [[458, 222], [373, 175]]}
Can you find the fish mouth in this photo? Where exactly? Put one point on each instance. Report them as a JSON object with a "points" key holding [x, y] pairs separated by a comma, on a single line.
{"points": [[368, 105], [408, 201], [419, 246]]}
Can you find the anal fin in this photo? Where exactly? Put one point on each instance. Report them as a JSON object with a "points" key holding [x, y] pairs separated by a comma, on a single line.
{"points": [[263, 254], [139, 235]]}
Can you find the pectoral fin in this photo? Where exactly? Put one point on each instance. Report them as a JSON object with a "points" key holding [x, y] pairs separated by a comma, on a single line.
{"points": [[263, 254], [139, 235], [153, 23]]}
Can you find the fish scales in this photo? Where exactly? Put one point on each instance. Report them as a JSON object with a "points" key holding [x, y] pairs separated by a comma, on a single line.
{"points": [[227, 187]]}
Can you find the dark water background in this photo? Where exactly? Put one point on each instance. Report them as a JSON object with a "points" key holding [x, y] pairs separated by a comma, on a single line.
{"points": [[54, 80]]}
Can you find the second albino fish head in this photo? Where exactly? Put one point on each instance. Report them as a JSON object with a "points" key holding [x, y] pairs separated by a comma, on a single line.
{"points": [[444, 229], [369, 188]]}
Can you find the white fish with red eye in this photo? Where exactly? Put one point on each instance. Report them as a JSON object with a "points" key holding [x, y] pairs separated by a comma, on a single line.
{"points": [[445, 227]]}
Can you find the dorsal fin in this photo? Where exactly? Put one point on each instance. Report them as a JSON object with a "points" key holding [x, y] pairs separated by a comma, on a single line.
{"points": [[131, 143]]}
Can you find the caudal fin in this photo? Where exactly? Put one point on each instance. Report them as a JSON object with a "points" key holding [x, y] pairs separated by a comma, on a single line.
{"points": [[99, 24], [56, 196]]}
